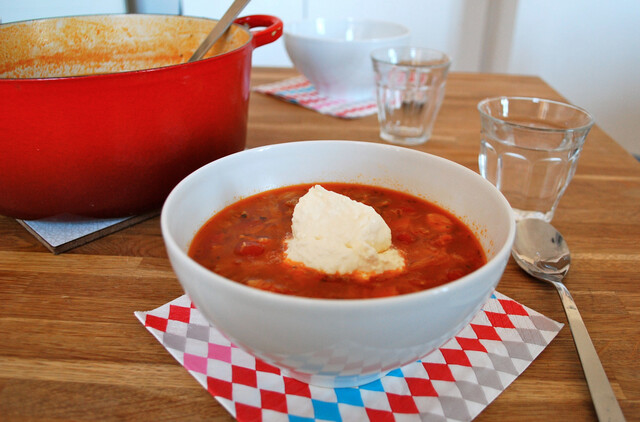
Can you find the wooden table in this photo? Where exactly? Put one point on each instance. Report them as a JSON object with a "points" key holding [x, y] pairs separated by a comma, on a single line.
{"points": [[71, 348]]}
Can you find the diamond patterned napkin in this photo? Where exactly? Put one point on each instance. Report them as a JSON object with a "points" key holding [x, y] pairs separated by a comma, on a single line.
{"points": [[299, 90], [454, 383]]}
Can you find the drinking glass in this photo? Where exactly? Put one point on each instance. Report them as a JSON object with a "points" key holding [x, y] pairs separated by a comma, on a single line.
{"points": [[529, 150], [410, 86]]}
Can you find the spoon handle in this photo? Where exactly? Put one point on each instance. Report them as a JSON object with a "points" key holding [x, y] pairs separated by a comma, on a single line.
{"points": [[604, 400], [220, 28]]}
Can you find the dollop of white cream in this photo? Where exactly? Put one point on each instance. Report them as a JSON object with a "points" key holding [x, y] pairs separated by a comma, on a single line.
{"points": [[335, 234]]}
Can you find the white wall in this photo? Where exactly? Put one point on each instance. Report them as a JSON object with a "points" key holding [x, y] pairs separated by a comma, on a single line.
{"points": [[588, 50], [19, 10]]}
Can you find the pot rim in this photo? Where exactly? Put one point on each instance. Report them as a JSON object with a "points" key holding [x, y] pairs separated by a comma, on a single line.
{"points": [[137, 71]]}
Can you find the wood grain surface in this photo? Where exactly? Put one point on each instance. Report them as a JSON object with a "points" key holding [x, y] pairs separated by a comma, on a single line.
{"points": [[71, 348]]}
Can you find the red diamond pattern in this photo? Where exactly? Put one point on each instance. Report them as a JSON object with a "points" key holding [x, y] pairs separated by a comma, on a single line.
{"points": [[438, 371], [273, 400], [244, 376], [513, 308], [485, 332], [471, 344], [179, 313], [376, 415], [156, 322], [262, 366], [220, 388], [402, 403], [420, 387], [296, 387], [248, 413], [499, 320], [455, 357]]}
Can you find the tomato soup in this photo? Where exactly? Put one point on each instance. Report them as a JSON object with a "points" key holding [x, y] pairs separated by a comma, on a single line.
{"points": [[245, 242]]}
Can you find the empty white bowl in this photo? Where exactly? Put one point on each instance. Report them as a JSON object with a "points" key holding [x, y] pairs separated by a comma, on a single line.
{"points": [[334, 53], [337, 343]]}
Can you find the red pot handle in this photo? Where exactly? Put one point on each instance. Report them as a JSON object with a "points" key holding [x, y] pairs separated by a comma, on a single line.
{"points": [[272, 32]]}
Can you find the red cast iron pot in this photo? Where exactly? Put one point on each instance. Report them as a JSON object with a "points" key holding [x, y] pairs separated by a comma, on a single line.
{"points": [[115, 142]]}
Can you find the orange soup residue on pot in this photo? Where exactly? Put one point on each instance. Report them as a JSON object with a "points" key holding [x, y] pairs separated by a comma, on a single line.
{"points": [[246, 242], [74, 46]]}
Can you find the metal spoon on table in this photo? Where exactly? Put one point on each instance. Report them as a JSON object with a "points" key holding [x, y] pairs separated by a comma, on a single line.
{"points": [[540, 250], [220, 28]]}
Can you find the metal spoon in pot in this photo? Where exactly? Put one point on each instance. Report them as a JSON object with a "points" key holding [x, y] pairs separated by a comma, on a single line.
{"points": [[220, 28], [540, 250]]}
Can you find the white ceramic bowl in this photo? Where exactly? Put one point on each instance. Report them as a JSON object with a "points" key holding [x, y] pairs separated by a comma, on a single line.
{"points": [[337, 343], [334, 54]]}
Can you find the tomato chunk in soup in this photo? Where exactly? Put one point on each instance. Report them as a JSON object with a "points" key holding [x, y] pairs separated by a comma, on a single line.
{"points": [[245, 242]]}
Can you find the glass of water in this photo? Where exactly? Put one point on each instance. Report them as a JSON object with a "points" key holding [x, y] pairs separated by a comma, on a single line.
{"points": [[410, 84], [529, 150]]}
